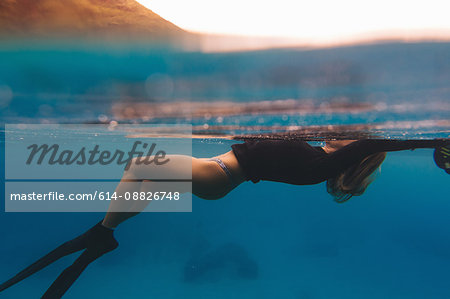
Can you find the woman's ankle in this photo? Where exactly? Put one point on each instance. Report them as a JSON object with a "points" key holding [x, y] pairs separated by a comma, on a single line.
{"points": [[105, 223]]}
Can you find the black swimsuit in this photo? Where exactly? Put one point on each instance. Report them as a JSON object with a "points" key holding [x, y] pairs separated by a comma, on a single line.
{"points": [[296, 162]]}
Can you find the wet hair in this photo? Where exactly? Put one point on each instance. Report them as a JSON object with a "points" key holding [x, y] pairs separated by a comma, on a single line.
{"points": [[355, 180]]}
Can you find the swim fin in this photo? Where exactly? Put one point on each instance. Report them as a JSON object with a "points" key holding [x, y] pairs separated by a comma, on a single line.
{"points": [[96, 242], [442, 157]]}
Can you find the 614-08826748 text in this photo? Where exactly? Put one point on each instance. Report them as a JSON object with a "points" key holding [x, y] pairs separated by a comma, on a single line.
{"points": [[104, 196]]}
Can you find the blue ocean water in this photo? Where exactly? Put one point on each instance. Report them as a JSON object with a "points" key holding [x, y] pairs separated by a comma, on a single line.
{"points": [[392, 242]]}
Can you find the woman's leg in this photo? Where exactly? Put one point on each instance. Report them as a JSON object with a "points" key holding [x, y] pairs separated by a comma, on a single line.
{"points": [[208, 182]]}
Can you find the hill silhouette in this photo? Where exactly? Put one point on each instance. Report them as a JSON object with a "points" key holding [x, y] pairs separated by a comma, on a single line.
{"points": [[109, 19]]}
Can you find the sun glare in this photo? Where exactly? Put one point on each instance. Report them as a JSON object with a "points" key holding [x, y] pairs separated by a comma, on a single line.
{"points": [[315, 21]]}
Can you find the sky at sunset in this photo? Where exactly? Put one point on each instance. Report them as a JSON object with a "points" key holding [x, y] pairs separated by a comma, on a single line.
{"points": [[315, 21]]}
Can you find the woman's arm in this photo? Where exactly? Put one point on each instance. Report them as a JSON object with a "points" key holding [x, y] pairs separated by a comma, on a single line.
{"points": [[333, 145], [356, 151]]}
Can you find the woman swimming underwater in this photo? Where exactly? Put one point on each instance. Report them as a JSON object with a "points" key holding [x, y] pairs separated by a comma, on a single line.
{"points": [[346, 166]]}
